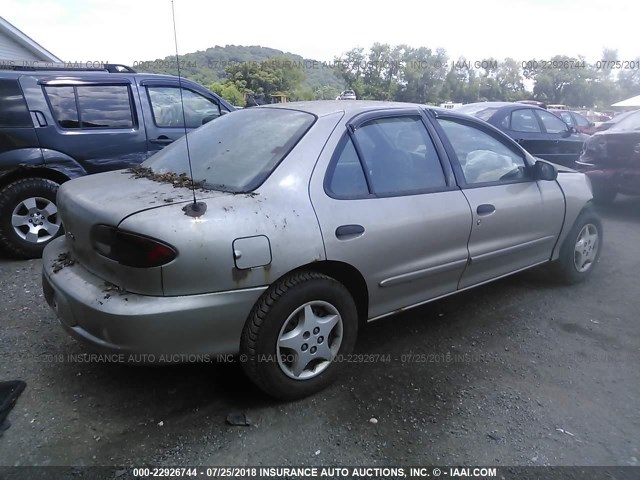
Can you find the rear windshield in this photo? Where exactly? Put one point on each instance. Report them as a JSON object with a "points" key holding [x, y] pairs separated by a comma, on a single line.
{"points": [[237, 151], [630, 123], [482, 112]]}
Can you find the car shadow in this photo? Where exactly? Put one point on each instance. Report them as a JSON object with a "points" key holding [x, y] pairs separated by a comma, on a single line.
{"points": [[175, 391]]}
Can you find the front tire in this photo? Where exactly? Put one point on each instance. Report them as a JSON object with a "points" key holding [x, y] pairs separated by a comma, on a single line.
{"points": [[581, 249], [296, 333], [29, 217]]}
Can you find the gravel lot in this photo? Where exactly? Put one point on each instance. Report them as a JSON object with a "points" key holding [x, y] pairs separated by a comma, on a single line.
{"points": [[519, 372]]}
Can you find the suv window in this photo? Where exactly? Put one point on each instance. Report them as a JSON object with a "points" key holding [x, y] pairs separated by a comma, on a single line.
{"points": [[400, 156], [347, 178], [524, 120], [13, 108], [552, 124], [483, 157], [91, 106], [167, 107]]}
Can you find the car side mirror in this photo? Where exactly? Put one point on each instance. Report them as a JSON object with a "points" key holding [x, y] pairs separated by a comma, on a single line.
{"points": [[544, 171], [571, 130]]}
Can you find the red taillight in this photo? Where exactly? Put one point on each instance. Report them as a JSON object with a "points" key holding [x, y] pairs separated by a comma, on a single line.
{"points": [[131, 249]]}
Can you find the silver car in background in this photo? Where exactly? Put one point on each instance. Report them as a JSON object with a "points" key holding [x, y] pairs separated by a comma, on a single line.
{"points": [[311, 219]]}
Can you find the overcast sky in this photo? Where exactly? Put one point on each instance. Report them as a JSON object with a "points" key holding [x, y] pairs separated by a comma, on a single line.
{"points": [[126, 31]]}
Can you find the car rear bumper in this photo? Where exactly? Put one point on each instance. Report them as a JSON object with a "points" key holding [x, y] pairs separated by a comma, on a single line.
{"points": [[116, 321]]}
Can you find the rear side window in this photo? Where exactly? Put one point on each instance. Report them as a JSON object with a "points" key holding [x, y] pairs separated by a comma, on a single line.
{"points": [[91, 106], [628, 124], [13, 108], [347, 178], [399, 156], [524, 120]]}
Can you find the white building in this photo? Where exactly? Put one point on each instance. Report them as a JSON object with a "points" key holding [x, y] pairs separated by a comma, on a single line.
{"points": [[16, 48]]}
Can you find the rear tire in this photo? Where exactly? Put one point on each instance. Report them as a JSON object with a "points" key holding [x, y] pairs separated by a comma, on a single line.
{"points": [[29, 217], [296, 333], [581, 249]]}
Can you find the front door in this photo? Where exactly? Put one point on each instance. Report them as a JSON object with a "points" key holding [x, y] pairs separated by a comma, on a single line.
{"points": [[166, 111], [516, 220]]}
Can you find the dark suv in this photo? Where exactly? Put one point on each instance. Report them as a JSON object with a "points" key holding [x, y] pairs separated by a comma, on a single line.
{"points": [[56, 125]]}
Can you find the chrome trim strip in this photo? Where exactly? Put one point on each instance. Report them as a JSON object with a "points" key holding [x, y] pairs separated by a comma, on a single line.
{"points": [[408, 277], [402, 309], [512, 249]]}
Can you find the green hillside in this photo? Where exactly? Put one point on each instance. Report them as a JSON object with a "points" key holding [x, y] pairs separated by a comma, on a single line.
{"points": [[208, 66]]}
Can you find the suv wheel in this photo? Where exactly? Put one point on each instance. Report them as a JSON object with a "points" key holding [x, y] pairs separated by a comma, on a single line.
{"points": [[29, 216]]}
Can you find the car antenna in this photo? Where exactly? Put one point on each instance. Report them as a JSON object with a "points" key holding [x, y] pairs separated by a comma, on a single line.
{"points": [[195, 209]]}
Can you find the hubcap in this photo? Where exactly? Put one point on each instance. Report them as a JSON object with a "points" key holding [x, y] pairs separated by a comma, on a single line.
{"points": [[309, 340], [586, 248], [36, 220]]}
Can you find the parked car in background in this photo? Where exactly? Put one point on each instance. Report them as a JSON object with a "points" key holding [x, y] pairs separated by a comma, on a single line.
{"points": [[347, 95], [535, 103], [313, 218], [575, 120], [601, 127], [538, 131], [61, 124], [611, 159]]}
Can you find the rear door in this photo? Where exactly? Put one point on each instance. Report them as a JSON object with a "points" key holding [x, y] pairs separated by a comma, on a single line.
{"points": [[387, 203], [516, 220], [88, 121], [162, 106]]}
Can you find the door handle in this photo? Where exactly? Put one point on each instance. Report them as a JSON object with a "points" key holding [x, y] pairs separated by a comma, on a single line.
{"points": [[344, 232], [161, 140], [39, 117], [485, 209]]}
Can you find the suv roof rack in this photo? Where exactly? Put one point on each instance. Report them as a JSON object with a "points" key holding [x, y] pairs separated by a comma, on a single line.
{"points": [[101, 67]]}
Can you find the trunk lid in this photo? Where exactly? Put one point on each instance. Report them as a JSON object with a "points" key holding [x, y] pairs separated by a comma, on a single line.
{"points": [[108, 199]]}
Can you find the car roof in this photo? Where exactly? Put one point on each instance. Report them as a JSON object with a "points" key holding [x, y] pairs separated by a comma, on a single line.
{"points": [[327, 107]]}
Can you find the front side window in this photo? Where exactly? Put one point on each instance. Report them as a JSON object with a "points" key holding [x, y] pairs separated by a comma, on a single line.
{"points": [[524, 120], [483, 157], [552, 124], [91, 106], [399, 156], [167, 107], [237, 152], [13, 108]]}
